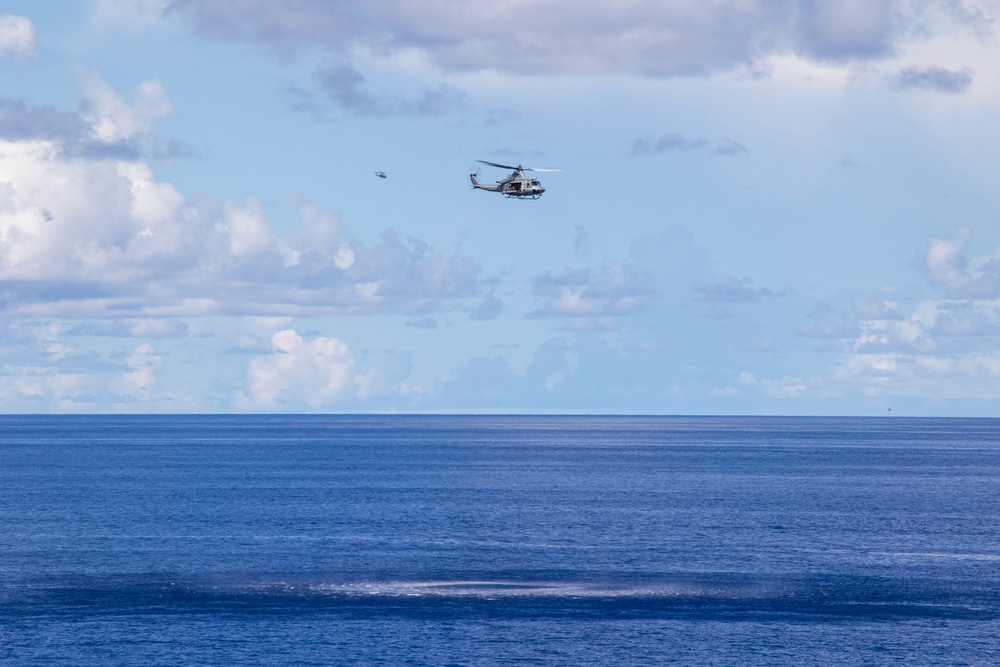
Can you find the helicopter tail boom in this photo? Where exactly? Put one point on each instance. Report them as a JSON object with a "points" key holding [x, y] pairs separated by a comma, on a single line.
{"points": [[476, 184]]}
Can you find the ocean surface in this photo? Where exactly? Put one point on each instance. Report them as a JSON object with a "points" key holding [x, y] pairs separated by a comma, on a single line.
{"points": [[481, 540]]}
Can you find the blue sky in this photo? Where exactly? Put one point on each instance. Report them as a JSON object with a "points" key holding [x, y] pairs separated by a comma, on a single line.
{"points": [[765, 207]]}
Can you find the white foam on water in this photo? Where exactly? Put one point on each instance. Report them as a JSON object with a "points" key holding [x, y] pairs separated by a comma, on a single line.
{"points": [[461, 588], [506, 589]]}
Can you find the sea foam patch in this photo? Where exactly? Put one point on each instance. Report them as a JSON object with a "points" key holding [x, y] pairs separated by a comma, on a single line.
{"points": [[488, 589]]}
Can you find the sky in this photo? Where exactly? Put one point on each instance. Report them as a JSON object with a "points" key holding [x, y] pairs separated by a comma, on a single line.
{"points": [[774, 207]]}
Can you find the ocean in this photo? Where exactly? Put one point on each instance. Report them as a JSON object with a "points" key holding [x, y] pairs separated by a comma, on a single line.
{"points": [[498, 540]]}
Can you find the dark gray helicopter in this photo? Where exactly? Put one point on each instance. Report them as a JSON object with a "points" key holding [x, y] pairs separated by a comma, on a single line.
{"points": [[515, 184]]}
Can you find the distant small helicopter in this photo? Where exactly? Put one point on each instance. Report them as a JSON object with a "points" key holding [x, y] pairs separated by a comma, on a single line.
{"points": [[515, 184], [381, 174]]}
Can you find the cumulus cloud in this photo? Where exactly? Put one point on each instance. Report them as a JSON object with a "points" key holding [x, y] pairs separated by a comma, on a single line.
{"points": [[111, 118], [928, 376], [17, 37], [46, 367], [647, 37], [69, 134], [139, 381], [940, 347], [314, 372], [928, 329], [107, 127], [946, 267], [37, 388], [934, 79], [87, 230], [247, 233], [592, 299], [831, 325]]}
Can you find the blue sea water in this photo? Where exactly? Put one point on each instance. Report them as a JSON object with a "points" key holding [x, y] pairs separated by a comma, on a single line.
{"points": [[482, 540]]}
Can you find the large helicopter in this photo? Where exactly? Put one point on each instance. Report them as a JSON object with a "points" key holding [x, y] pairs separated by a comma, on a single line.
{"points": [[515, 184]]}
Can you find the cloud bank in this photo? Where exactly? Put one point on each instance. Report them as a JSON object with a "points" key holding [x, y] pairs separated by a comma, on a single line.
{"points": [[942, 347], [518, 37], [87, 229]]}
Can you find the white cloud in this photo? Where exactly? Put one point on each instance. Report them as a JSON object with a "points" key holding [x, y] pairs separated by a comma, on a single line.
{"points": [[786, 387], [39, 386], [947, 268], [114, 119], [17, 37], [314, 372], [138, 382], [647, 37], [614, 291], [64, 219], [927, 376], [941, 347], [249, 233], [323, 233], [87, 229]]}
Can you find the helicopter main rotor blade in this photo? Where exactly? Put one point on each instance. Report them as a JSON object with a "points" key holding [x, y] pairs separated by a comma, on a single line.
{"points": [[517, 168], [499, 166]]}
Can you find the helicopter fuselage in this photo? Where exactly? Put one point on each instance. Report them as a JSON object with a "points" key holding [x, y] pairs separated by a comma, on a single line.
{"points": [[515, 185]]}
